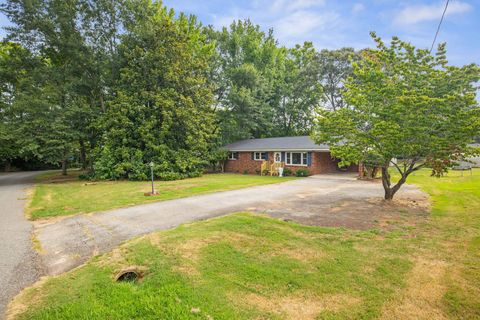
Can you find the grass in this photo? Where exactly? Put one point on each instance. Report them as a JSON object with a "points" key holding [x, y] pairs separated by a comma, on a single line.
{"points": [[246, 266], [55, 195]]}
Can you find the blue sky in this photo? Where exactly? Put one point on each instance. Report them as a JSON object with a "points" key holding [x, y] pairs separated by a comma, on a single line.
{"points": [[334, 24]]}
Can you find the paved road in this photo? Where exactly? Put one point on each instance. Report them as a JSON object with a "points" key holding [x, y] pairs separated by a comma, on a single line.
{"points": [[69, 242], [18, 262]]}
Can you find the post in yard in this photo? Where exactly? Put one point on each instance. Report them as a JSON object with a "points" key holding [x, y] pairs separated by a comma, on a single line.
{"points": [[151, 173], [153, 192]]}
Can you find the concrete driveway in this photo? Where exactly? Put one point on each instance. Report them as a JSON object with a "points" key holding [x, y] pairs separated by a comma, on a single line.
{"points": [[18, 262], [69, 242]]}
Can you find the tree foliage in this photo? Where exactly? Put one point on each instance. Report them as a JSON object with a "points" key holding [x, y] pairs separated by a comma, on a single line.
{"points": [[162, 109], [405, 104], [261, 88], [114, 85], [333, 68], [297, 93]]}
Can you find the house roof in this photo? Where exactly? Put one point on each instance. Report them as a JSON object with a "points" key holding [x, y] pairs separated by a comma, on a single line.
{"points": [[302, 143]]}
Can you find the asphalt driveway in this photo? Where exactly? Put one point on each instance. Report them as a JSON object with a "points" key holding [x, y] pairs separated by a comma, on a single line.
{"points": [[69, 242], [18, 262]]}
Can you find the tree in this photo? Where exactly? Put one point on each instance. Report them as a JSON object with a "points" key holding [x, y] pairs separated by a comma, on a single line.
{"points": [[101, 25], [77, 40], [406, 104], [11, 71], [31, 123], [50, 29], [243, 73], [333, 69], [162, 111], [297, 94]]}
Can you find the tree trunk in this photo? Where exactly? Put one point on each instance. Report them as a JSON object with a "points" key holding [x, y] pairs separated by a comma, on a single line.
{"points": [[8, 166], [90, 157], [102, 103], [389, 194], [64, 167], [389, 190], [83, 155]]}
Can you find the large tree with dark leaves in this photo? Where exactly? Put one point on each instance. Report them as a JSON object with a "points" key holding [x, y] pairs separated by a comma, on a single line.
{"points": [[163, 109], [51, 31]]}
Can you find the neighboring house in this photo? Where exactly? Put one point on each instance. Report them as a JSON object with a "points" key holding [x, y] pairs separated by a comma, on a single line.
{"points": [[247, 156], [471, 162]]}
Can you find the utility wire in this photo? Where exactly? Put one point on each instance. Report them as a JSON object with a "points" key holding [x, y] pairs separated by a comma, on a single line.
{"points": [[439, 24]]}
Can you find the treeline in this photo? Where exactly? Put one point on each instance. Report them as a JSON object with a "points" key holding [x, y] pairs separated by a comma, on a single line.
{"points": [[115, 85]]}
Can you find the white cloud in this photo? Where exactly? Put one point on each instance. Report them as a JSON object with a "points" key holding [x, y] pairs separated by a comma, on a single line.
{"points": [[358, 7], [224, 21], [278, 6], [290, 19], [414, 14], [304, 4], [302, 24]]}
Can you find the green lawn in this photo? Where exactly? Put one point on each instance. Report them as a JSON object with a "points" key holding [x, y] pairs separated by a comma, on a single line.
{"points": [[247, 266], [57, 196]]}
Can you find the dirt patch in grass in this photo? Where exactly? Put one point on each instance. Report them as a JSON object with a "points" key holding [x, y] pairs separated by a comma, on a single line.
{"points": [[422, 298], [57, 177], [359, 214], [304, 254], [36, 245], [26, 299], [189, 250], [115, 258], [298, 307]]}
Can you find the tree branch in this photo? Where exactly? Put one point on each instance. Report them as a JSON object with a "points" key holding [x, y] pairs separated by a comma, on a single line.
{"points": [[397, 167]]}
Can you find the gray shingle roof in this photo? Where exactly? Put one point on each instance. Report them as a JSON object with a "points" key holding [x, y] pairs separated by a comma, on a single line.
{"points": [[303, 143]]}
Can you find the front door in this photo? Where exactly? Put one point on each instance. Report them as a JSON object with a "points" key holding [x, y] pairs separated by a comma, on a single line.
{"points": [[277, 157]]}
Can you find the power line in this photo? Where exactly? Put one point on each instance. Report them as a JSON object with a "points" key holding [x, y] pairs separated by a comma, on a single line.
{"points": [[439, 24]]}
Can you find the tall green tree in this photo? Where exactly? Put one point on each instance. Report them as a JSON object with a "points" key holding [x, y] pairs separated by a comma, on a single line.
{"points": [[406, 104], [12, 77], [333, 68], [297, 93], [51, 30], [162, 111], [245, 66], [100, 24]]}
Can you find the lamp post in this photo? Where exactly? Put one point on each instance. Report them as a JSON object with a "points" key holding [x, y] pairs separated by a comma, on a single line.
{"points": [[151, 173]]}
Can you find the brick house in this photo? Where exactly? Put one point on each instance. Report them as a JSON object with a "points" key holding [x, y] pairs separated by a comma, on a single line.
{"points": [[247, 156]]}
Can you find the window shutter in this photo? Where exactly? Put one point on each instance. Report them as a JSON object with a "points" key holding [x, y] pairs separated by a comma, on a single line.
{"points": [[253, 155], [283, 156], [309, 159], [266, 156]]}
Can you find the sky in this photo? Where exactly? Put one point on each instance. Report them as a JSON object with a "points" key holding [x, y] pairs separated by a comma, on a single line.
{"points": [[333, 24]]}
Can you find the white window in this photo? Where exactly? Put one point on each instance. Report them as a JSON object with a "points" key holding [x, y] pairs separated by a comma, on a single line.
{"points": [[297, 158], [259, 156], [233, 156]]}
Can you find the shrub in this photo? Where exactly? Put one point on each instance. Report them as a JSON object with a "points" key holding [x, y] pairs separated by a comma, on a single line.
{"points": [[245, 171], [89, 175], [287, 171], [302, 173], [170, 175]]}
